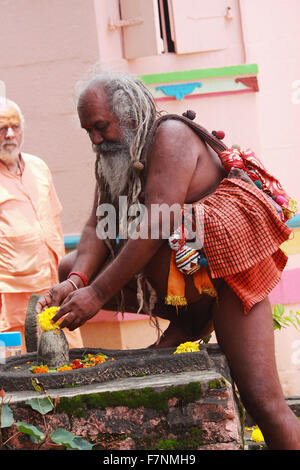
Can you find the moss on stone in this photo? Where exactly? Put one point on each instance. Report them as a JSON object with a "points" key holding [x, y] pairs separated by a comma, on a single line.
{"points": [[146, 397], [191, 440], [167, 444], [216, 384], [187, 393], [72, 406]]}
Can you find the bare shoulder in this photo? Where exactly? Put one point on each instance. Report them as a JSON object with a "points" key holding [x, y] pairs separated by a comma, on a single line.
{"points": [[174, 145], [175, 135], [171, 163]]}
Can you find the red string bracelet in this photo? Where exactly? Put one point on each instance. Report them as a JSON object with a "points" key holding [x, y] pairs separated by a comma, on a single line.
{"points": [[82, 277]]}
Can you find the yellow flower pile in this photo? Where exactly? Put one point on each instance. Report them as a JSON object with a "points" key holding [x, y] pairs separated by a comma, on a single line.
{"points": [[45, 318], [257, 435], [254, 434], [189, 346]]}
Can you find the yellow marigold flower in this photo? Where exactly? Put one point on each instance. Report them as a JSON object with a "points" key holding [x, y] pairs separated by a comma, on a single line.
{"points": [[257, 435], [189, 346], [45, 318]]}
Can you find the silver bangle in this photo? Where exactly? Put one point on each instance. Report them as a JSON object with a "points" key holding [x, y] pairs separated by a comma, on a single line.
{"points": [[73, 283]]}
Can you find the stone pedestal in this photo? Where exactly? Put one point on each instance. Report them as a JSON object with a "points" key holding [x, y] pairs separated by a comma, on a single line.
{"points": [[173, 411]]}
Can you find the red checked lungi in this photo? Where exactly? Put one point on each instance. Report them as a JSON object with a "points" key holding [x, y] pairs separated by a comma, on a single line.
{"points": [[242, 235]]}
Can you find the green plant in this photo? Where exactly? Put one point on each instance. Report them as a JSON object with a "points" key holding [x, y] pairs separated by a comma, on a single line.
{"points": [[283, 320], [43, 406]]}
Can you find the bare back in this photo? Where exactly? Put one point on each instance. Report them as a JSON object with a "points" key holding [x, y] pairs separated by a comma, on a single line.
{"points": [[179, 147], [208, 171]]}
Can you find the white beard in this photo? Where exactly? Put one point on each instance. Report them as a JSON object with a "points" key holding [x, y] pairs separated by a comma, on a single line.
{"points": [[115, 163], [9, 156], [115, 171]]}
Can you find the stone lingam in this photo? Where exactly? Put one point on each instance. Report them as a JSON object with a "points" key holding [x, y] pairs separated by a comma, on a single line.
{"points": [[53, 349], [52, 346]]}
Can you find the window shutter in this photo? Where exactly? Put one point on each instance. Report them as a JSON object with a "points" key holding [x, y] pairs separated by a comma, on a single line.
{"points": [[199, 25], [141, 39]]}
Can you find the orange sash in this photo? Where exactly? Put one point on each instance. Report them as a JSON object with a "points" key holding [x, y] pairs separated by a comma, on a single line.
{"points": [[176, 284]]}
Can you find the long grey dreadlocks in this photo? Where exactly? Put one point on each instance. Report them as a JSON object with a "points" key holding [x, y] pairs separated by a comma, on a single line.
{"points": [[134, 106]]}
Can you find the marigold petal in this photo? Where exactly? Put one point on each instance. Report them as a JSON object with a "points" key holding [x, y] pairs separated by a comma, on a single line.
{"points": [[257, 435], [45, 318]]}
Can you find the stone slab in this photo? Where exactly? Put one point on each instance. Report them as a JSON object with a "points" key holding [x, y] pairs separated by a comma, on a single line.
{"points": [[192, 410], [15, 373], [294, 404], [131, 383]]}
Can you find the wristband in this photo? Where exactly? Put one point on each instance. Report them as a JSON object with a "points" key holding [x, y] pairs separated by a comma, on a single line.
{"points": [[82, 277]]}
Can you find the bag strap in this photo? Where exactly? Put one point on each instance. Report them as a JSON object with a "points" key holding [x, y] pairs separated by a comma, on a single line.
{"points": [[214, 142]]}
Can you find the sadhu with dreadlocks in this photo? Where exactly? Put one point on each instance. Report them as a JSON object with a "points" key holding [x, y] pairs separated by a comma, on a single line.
{"points": [[224, 282]]}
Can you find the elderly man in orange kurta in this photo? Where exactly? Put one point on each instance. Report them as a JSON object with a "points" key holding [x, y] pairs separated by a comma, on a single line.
{"points": [[31, 241]]}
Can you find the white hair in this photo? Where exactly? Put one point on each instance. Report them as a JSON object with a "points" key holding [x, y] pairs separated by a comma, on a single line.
{"points": [[133, 104], [5, 102], [129, 100]]}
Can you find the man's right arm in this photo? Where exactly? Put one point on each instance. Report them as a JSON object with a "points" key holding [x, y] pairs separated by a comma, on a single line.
{"points": [[90, 257], [91, 251]]}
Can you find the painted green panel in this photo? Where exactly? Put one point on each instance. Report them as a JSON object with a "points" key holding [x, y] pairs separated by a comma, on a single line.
{"points": [[186, 75]]}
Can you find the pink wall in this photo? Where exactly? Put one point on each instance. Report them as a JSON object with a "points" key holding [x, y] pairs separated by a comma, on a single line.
{"points": [[45, 48], [272, 40], [264, 33], [57, 42]]}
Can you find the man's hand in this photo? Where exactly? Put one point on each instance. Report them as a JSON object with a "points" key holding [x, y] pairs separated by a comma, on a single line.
{"points": [[55, 296], [78, 307]]}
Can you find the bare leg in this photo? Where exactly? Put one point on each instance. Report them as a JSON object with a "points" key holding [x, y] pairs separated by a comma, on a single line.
{"points": [[189, 323], [248, 343], [174, 335]]}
